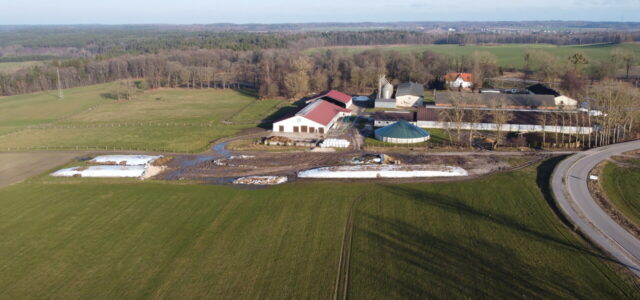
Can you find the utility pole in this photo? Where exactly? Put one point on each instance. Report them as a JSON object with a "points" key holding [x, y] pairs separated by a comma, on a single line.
{"points": [[60, 94]]}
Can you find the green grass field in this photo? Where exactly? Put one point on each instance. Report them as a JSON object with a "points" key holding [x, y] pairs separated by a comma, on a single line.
{"points": [[622, 187], [10, 67], [509, 55], [178, 120], [496, 237]]}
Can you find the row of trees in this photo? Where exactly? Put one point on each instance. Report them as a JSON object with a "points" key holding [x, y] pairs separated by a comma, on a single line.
{"points": [[274, 73], [619, 104], [548, 67], [294, 74], [612, 113], [462, 112]]}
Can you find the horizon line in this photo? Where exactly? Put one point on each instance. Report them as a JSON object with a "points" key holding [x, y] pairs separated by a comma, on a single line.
{"points": [[315, 22]]}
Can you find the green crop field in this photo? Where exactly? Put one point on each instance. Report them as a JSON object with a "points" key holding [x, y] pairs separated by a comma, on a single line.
{"points": [[621, 184], [509, 55], [180, 120], [495, 237]]}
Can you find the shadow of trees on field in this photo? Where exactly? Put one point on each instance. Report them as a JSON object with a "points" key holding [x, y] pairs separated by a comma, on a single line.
{"points": [[543, 181], [426, 265], [110, 96], [466, 211], [247, 92]]}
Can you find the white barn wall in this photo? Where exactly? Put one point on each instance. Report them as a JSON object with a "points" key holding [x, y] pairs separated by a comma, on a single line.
{"points": [[493, 127], [384, 104], [507, 127], [459, 82], [293, 121], [566, 101]]}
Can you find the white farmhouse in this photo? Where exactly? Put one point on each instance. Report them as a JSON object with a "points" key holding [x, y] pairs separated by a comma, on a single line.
{"points": [[459, 80]]}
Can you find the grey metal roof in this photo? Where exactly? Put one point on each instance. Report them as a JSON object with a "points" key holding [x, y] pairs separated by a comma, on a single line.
{"points": [[485, 99], [394, 116], [541, 89], [410, 89]]}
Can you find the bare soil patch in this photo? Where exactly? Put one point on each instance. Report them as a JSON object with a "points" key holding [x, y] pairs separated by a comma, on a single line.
{"points": [[288, 164], [16, 167]]}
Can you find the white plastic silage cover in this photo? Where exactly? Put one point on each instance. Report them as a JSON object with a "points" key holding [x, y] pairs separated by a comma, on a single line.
{"points": [[127, 160], [335, 143], [386, 171], [261, 180], [102, 171]]}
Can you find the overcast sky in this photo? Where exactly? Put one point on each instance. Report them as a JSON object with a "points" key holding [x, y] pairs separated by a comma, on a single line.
{"points": [[285, 11]]}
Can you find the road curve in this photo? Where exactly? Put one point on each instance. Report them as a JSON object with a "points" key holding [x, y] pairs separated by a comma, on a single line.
{"points": [[569, 186]]}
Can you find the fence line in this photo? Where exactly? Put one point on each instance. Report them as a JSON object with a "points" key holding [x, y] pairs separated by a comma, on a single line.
{"points": [[494, 127], [127, 124]]}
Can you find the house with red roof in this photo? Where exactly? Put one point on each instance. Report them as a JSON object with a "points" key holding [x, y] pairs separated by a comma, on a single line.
{"points": [[459, 80], [315, 118], [336, 97]]}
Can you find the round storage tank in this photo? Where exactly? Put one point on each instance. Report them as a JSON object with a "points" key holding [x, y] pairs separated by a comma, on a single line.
{"points": [[402, 132], [387, 91]]}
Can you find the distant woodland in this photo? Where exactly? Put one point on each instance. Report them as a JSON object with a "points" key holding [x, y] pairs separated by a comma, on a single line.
{"points": [[276, 64]]}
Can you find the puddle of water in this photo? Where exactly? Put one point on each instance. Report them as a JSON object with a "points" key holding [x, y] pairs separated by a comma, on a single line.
{"points": [[222, 150], [196, 160]]}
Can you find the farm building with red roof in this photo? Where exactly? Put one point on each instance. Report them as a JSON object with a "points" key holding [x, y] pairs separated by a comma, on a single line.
{"points": [[336, 97], [316, 118], [459, 80]]}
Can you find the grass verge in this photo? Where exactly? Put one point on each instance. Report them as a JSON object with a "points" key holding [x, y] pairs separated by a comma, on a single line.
{"points": [[621, 184]]}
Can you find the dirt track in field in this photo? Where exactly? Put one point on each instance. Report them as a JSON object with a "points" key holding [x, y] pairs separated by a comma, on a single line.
{"points": [[16, 167]]}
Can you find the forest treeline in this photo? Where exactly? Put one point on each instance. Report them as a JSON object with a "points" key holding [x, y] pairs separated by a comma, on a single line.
{"points": [[274, 63], [110, 42], [292, 73]]}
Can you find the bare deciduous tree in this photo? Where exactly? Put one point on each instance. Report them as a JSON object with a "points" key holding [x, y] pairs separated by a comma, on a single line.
{"points": [[500, 116], [543, 118]]}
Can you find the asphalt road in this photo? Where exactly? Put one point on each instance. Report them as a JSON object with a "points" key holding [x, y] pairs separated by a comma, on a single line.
{"points": [[569, 185]]}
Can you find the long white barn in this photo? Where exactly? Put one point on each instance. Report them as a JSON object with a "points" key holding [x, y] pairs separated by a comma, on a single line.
{"points": [[316, 118]]}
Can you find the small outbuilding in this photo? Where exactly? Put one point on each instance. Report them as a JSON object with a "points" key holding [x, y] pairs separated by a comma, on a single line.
{"points": [[409, 94], [402, 132], [561, 100]]}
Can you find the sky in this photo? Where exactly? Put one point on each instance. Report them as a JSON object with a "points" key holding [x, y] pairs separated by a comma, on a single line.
{"points": [[18, 12]]}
